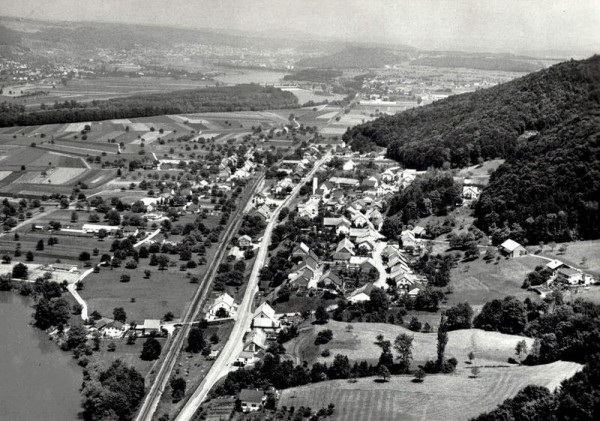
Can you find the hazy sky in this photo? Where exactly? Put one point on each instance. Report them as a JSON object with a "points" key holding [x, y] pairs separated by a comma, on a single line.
{"points": [[480, 25]]}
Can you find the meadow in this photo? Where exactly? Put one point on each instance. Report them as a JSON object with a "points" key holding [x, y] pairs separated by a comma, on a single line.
{"points": [[456, 396], [360, 343]]}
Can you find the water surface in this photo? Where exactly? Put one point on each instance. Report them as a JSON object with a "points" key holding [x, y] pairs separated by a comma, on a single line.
{"points": [[38, 381]]}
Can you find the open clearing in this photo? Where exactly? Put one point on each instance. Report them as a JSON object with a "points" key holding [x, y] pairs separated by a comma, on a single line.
{"points": [[439, 397], [478, 281], [360, 343]]}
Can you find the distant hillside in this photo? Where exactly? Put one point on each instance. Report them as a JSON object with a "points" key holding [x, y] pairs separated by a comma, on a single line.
{"points": [[496, 62], [355, 57], [549, 187], [218, 99]]}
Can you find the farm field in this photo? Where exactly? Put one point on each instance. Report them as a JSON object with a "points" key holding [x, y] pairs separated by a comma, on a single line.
{"points": [[84, 90], [360, 343], [480, 174], [478, 282], [439, 397]]}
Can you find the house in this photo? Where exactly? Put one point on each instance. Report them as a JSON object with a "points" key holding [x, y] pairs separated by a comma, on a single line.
{"points": [[554, 265], [364, 264], [255, 345], [569, 276], [359, 220], [263, 212], [150, 328], [512, 249], [330, 278], [251, 399], [236, 252], [362, 294], [470, 194], [370, 182], [324, 189], [223, 307], [366, 243], [345, 246], [264, 318], [344, 182], [113, 329], [300, 250], [341, 258], [303, 277], [418, 231], [349, 165], [244, 242]]}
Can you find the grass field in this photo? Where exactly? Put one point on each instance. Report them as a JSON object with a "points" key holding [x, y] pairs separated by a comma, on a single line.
{"points": [[478, 282], [360, 343], [439, 397], [576, 251]]}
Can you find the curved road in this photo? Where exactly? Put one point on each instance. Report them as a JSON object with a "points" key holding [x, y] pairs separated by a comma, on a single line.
{"points": [[234, 345]]}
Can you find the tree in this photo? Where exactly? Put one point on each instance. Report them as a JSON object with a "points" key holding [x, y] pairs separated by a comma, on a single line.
{"points": [[163, 262], [119, 314], [340, 368], [379, 299], [471, 356], [420, 375], [403, 345], [125, 278], [384, 372], [442, 341], [459, 317], [84, 256], [6, 259], [40, 245], [178, 385], [20, 271], [151, 350], [112, 347], [196, 342], [74, 217], [415, 325], [147, 273], [521, 350], [321, 315], [77, 336], [168, 317], [475, 372], [29, 256]]}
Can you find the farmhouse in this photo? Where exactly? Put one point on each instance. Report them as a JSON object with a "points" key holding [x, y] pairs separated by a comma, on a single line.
{"points": [[254, 347], [362, 294], [512, 249], [470, 194], [149, 328], [264, 318], [245, 241], [570, 276], [251, 399], [223, 307]]}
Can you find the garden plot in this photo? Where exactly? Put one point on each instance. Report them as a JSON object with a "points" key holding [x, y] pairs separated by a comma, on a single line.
{"points": [[76, 127], [53, 176], [140, 127], [4, 174], [150, 137]]}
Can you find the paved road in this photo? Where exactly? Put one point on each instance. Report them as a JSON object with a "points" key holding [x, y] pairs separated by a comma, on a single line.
{"points": [[234, 345], [171, 352]]}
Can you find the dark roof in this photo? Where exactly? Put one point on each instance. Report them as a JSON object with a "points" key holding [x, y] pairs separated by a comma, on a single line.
{"points": [[251, 395]]}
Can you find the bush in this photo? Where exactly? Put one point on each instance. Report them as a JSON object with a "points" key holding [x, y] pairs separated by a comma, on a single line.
{"points": [[324, 337]]}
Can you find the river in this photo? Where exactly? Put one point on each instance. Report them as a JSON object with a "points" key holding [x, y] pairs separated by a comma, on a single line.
{"points": [[38, 381]]}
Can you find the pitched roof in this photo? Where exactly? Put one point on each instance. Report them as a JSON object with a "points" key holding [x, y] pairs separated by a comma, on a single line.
{"points": [[344, 243], [224, 298], [510, 245], [251, 395], [266, 309]]}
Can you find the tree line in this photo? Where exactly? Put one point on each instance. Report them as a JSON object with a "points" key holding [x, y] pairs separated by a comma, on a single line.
{"points": [[215, 99]]}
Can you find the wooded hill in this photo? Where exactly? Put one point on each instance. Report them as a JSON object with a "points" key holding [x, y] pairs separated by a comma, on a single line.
{"points": [[217, 99], [547, 127]]}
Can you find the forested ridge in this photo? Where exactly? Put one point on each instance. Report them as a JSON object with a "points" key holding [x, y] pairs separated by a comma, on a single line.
{"points": [[218, 99], [484, 124], [549, 187]]}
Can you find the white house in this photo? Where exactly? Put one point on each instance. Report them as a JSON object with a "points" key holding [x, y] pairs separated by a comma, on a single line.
{"points": [[264, 318], [349, 165], [223, 302], [512, 249], [362, 294]]}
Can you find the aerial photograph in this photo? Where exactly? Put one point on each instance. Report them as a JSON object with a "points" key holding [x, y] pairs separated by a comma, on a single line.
{"points": [[299, 210]]}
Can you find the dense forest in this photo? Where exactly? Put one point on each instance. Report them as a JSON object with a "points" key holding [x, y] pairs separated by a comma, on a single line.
{"points": [[218, 99], [356, 57], [487, 123], [546, 125]]}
